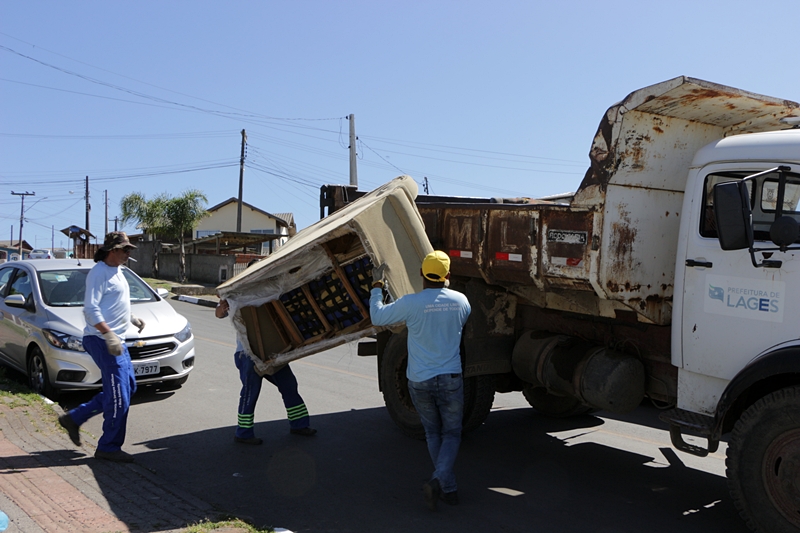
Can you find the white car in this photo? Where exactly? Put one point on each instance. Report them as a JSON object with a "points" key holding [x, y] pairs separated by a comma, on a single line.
{"points": [[40, 253], [41, 328]]}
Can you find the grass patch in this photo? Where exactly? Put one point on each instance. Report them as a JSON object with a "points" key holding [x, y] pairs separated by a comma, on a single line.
{"points": [[205, 527], [159, 283], [12, 387]]}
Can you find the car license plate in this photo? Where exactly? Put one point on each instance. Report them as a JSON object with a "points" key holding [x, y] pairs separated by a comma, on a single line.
{"points": [[146, 369]]}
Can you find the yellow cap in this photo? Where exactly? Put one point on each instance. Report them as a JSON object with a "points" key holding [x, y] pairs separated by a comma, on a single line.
{"points": [[436, 266]]}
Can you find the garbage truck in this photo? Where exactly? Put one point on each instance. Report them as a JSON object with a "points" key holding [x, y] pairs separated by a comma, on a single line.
{"points": [[671, 274]]}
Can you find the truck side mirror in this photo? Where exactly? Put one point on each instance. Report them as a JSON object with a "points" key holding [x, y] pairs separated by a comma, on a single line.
{"points": [[733, 215]]}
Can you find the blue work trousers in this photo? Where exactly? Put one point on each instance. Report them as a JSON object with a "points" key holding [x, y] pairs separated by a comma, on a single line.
{"points": [[440, 404], [114, 401], [251, 388]]}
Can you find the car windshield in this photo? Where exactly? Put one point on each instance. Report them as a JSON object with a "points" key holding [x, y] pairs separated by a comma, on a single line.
{"points": [[66, 288]]}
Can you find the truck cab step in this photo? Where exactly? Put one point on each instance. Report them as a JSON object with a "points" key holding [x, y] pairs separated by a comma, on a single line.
{"points": [[681, 421]]}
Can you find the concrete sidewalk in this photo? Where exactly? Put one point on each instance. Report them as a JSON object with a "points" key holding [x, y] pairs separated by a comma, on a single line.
{"points": [[47, 485]]}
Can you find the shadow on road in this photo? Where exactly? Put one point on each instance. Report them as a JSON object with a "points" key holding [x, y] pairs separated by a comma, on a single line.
{"points": [[361, 474]]}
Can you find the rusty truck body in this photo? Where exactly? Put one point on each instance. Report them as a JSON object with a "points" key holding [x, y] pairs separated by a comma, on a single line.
{"points": [[671, 274]]}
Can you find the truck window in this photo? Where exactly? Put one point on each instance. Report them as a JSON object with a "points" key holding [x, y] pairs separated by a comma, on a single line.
{"points": [[769, 197], [708, 222], [763, 201]]}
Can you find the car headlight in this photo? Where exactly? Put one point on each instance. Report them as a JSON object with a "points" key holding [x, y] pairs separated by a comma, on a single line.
{"points": [[63, 340], [185, 334]]}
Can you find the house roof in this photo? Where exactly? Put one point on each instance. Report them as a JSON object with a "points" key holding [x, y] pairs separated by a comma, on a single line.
{"points": [[288, 217], [15, 244], [281, 221]]}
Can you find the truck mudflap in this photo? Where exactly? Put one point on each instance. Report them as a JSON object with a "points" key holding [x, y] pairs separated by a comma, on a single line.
{"points": [[313, 293]]}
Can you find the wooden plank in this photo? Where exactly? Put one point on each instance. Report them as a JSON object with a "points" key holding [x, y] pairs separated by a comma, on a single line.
{"points": [[345, 282], [276, 321], [288, 323], [253, 312], [317, 310]]}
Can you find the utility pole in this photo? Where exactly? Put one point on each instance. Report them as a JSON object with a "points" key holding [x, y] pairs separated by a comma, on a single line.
{"points": [[88, 207], [241, 183], [106, 195], [52, 238], [22, 214], [353, 138]]}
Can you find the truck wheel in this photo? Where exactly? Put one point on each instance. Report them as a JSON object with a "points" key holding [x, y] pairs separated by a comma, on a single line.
{"points": [[478, 391], [554, 406], [763, 463], [478, 400], [395, 386]]}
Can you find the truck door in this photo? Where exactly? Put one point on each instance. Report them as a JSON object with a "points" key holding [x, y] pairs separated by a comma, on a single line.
{"points": [[731, 310]]}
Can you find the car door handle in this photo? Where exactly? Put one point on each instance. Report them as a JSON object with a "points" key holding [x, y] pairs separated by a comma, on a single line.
{"points": [[695, 263]]}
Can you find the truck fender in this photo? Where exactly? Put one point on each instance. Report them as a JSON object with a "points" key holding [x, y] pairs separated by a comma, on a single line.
{"points": [[769, 372]]}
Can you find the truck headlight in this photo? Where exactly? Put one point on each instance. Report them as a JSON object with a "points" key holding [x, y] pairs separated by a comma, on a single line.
{"points": [[63, 340], [185, 334]]}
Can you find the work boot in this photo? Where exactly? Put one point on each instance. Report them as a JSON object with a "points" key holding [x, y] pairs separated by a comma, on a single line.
{"points": [[306, 432], [450, 498], [431, 490], [118, 456], [72, 428], [252, 440]]}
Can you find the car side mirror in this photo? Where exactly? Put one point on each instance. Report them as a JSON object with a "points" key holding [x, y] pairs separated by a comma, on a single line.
{"points": [[15, 300], [162, 292], [733, 215]]}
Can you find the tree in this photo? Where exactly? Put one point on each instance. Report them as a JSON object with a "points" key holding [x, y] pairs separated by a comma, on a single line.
{"points": [[171, 217]]}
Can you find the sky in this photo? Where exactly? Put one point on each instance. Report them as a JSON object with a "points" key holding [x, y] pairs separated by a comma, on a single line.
{"points": [[473, 98]]}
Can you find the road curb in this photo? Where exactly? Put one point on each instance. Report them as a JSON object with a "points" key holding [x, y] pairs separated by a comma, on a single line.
{"points": [[196, 300]]}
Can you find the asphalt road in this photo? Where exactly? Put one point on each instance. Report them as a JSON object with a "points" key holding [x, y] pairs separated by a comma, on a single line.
{"points": [[519, 472]]}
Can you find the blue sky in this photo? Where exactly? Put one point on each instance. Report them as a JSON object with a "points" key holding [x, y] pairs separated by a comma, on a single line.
{"points": [[483, 98]]}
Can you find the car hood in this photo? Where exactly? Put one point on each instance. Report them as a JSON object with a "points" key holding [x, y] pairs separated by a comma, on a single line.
{"points": [[160, 319]]}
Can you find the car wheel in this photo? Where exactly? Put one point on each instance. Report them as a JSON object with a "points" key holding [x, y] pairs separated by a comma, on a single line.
{"points": [[38, 378]]}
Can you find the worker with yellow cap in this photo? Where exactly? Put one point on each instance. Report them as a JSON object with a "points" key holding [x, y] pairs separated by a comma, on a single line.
{"points": [[435, 318]]}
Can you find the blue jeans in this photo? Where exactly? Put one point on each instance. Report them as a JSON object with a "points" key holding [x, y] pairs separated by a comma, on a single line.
{"points": [[119, 384], [440, 404], [251, 388]]}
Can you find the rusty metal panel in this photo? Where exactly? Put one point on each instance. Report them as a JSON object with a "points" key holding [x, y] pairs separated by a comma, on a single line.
{"points": [[637, 252], [511, 250], [462, 239], [567, 238], [673, 118], [430, 217]]}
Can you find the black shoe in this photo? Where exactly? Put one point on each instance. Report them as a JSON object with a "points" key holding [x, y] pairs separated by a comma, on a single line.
{"points": [[72, 428], [251, 440], [450, 498], [118, 457], [306, 432], [431, 490]]}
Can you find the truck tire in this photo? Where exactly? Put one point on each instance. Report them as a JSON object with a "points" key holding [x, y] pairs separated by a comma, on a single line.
{"points": [[394, 385], [478, 391], [763, 463], [554, 406]]}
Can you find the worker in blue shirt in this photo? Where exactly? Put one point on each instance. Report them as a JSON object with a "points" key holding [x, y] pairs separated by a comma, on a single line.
{"points": [[435, 318]]}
